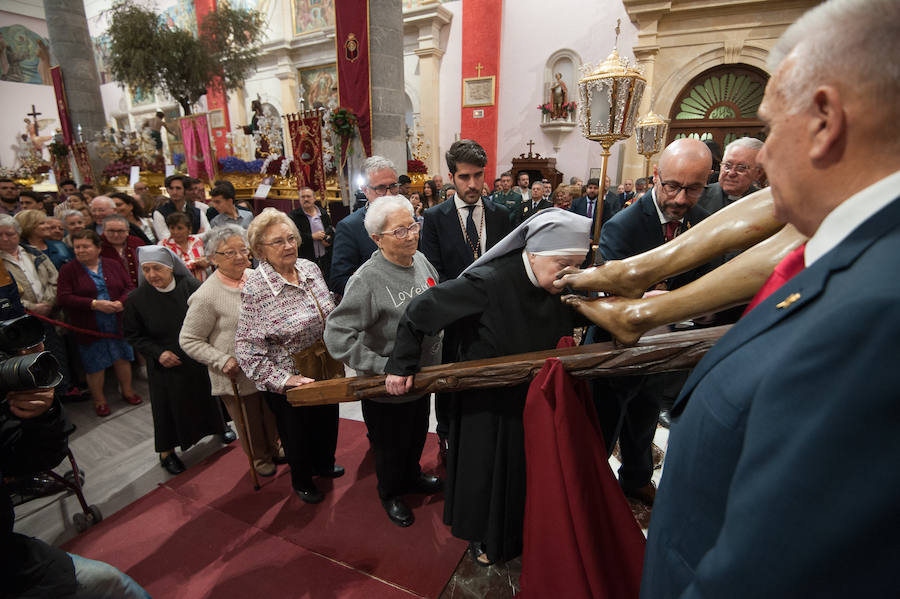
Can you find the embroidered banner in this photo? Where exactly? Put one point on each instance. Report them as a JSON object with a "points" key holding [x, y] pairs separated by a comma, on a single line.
{"points": [[305, 130], [62, 105], [352, 33], [83, 162], [201, 124]]}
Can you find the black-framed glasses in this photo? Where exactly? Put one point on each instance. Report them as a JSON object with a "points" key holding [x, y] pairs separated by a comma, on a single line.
{"points": [[402, 232], [232, 254], [741, 169], [384, 189], [673, 188]]}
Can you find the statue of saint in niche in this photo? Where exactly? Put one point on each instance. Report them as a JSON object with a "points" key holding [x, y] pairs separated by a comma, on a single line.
{"points": [[559, 97]]}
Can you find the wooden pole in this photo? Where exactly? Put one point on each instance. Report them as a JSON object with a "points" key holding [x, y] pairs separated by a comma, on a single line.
{"points": [[658, 353], [245, 433]]}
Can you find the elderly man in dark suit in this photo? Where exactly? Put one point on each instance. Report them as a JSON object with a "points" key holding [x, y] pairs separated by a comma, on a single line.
{"points": [[668, 209], [761, 496], [531, 206], [737, 173], [455, 233], [352, 245]]}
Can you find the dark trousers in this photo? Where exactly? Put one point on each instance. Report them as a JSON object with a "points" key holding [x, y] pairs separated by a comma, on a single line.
{"points": [[397, 432], [628, 408], [308, 435]]}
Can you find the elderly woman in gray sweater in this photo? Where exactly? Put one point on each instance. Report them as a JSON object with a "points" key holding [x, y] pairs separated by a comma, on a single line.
{"points": [[360, 332], [208, 336]]}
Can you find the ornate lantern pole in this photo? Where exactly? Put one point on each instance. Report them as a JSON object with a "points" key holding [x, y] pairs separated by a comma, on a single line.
{"points": [[610, 94], [651, 137]]}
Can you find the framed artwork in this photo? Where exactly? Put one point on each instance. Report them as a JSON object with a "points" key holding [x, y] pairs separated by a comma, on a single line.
{"points": [[312, 15], [319, 85], [216, 119], [478, 91]]}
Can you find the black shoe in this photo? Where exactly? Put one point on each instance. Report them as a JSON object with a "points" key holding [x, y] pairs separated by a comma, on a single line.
{"points": [[172, 463], [335, 472], [476, 550], [398, 512], [229, 436], [665, 419], [310, 495], [427, 485]]}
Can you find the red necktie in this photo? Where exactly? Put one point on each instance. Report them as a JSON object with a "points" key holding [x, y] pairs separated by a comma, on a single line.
{"points": [[789, 266], [672, 229]]}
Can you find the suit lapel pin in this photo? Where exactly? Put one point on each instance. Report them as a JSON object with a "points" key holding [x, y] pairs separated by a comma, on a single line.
{"points": [[788, 301]]}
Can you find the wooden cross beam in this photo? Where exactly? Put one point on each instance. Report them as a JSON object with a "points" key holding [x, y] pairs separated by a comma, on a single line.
{"points": [[478, 68], [658, 353], [34, 113]]}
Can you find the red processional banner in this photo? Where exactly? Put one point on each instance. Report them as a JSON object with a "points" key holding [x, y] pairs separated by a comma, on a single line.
{"points": [[305, 131], [83, 162], [354, 86], [62, 105], [198, 154]]}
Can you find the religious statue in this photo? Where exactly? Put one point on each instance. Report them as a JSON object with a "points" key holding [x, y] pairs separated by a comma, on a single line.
{"points": [[262, 149], [155, 125], [559, 98]]}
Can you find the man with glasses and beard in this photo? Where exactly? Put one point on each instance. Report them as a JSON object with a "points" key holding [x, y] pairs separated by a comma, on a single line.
{"points": [[667, 210]]}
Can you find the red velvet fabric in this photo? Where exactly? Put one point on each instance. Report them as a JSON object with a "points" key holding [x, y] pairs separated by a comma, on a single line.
{"points": [[580, 539], [789, 266]]}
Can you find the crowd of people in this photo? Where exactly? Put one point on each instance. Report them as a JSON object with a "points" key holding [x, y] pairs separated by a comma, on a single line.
{"points": [[758, 471]]}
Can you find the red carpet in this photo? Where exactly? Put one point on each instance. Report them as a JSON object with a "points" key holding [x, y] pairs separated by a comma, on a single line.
{"points": [[206, 533]]}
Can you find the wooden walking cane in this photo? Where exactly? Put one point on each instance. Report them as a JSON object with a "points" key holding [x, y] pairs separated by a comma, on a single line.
{"points": [[245, 434]]}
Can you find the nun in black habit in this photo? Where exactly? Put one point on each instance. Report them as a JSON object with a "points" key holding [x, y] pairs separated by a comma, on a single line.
{"points": [[503, 304], [184, 410]]}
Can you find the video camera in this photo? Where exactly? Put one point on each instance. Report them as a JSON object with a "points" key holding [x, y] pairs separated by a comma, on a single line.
{"points": [[29, 371]]}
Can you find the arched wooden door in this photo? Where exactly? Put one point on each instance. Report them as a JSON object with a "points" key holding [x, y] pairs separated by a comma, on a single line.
{"points": [[720, 104]]}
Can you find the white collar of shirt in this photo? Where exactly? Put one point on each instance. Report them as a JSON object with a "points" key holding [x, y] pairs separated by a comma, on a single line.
{"points": [[279, 283], [850, 214], [461, 204], [662, 217], [528, 270], [476, 216]]}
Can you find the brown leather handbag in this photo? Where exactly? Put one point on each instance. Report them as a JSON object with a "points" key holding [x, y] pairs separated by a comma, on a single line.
{"points": [[315, 362]]}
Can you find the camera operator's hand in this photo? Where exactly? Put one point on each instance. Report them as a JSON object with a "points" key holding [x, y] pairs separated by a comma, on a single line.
{"points": [[42, 309], [29, 404], [169, 359]]}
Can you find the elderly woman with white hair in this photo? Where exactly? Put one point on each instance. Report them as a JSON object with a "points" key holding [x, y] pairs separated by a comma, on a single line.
{"points": [[208, 334], [284, 304], [184, 410], [504, 303], [360, 332]]}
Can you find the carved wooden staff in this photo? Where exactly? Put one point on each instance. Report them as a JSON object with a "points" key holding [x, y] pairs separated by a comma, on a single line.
{"points": [[658, 353]]}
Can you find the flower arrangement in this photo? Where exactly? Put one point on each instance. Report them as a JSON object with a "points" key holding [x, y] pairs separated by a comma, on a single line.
{"points": [[570, 107], [344, 123], [58, 149], [178, 160], [233, 164], [546, 108], [415, 166]]}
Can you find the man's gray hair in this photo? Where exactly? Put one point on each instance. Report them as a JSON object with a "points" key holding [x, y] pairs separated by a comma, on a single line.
{"points": [[854, 43], [751, 143], [378, 211], [376, 163], [68, 213], [116, 218], [8, 221], [218, 235], [101, 199]]}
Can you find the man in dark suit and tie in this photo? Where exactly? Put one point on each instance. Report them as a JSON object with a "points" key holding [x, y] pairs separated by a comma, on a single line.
{"points": [[668, 209], [737, 173], [531, 206], [781, 478], [627, 193], [587, 205], [352, 245], [455, 233]]}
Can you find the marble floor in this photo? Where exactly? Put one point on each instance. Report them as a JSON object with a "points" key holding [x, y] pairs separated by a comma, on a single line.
{"points": [[117, 456]]}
